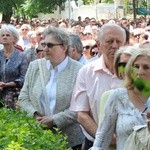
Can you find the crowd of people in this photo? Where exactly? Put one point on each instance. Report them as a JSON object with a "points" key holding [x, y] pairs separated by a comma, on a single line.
{"points": [[89, 78]]}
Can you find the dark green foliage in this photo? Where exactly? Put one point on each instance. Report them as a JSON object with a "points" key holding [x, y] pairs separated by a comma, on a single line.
{"points": [[142, 85], [19, 132]]}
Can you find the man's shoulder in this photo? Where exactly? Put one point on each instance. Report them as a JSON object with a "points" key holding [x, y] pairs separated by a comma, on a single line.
{"points": [[91, 66]]}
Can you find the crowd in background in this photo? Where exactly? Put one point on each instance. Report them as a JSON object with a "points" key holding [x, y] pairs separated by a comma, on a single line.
{"points": [[64, 72]]}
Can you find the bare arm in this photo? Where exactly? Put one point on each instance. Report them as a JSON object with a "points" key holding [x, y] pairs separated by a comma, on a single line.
{"points": [[87, 122]]}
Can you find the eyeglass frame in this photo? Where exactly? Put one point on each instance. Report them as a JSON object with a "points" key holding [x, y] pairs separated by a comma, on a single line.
{"points": [[122, 64], [50, 45], [87, 47]]}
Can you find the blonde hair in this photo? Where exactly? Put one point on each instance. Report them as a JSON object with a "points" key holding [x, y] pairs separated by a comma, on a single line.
{"points": [[145, 52]]}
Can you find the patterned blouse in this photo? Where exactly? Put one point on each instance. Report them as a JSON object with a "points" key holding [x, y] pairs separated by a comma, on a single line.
{"points": [[120, 118], [12, 69]]}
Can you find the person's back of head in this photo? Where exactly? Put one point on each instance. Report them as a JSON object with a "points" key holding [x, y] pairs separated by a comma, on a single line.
{"points": [[127, 35], [76, 41]]}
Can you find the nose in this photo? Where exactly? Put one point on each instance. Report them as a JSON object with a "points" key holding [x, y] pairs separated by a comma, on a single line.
{"points": [[46, 48], [140, 72], [115, 45]]}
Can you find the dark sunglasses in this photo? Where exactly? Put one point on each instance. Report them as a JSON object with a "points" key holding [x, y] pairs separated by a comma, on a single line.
{"points": [[39, 50], [49, 45], [94, 53], [87, 47], [122, 64]]}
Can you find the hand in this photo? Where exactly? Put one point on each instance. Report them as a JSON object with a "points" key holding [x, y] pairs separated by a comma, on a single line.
{"points": [[46, 121], [1, 89], [2, 85]]}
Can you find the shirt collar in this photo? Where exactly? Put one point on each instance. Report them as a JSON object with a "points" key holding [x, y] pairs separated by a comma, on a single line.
{"points": [[59, 67], [101, 66]]}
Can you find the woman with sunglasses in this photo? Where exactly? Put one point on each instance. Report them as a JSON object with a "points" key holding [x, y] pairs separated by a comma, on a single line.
{"points": [[121, 58], [48, 87], [124, 105]]}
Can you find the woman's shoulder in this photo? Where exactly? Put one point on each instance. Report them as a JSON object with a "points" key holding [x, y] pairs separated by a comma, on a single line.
{"points": [[117, 94], [119, 91], [37, 61]]}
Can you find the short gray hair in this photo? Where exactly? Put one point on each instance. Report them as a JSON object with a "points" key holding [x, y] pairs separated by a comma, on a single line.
{"points": [[76, 41], [11, 29], [107, 26], [59, 35]]}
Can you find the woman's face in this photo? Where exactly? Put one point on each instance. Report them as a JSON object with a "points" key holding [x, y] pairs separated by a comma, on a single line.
{"points": [[54, 50], [142, 68], [7, 38]]}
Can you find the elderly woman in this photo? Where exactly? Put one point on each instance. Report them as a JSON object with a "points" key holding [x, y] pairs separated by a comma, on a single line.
{"points": [[13, 66], [48, 87], [124, 106]]}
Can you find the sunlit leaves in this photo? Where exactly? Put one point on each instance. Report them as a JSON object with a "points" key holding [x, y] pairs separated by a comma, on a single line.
{"points": [[22, 133]]}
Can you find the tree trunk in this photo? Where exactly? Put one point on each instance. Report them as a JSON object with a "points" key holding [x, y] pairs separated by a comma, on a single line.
{"points": [[6, 17]]}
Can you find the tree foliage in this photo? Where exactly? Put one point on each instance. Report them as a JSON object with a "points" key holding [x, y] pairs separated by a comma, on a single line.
{"points": [[86, 2], [33, 7], [109, 1], [7, 7]]}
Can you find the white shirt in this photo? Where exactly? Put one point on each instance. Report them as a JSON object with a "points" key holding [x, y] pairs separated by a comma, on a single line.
{"points": [[52, 84]]}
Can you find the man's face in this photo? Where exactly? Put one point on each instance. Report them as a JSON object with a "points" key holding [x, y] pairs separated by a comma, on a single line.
{"points": [[112, 39]]}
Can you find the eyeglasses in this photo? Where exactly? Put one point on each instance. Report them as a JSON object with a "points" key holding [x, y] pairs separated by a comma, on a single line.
{"points": [[87, 47], [39, 50], [138, 35], [86, 34], [24, 29], [122, 64], [49, 45]]}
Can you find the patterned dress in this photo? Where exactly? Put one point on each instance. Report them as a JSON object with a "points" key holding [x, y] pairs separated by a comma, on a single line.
{"points": [[12, 69]]}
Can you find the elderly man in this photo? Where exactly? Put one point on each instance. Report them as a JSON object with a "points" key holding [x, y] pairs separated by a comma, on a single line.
{"points": [[76, 49], [95, 78]]}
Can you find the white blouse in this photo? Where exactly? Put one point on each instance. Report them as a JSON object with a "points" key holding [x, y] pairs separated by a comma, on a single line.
{"points": [[120, 118]]}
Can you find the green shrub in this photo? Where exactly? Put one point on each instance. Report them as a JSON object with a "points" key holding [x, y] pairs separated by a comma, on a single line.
{"points": [[20, 132]]}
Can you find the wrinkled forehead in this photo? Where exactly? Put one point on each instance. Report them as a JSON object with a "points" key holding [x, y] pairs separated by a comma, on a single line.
{"points": [[114, 32]]}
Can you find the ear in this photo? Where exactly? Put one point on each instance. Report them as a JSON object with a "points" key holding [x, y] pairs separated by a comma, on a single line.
{"points": [[64, 47]]}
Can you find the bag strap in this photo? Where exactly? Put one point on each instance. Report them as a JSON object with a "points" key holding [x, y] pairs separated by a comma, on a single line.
{"points": [[47, 108]]}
